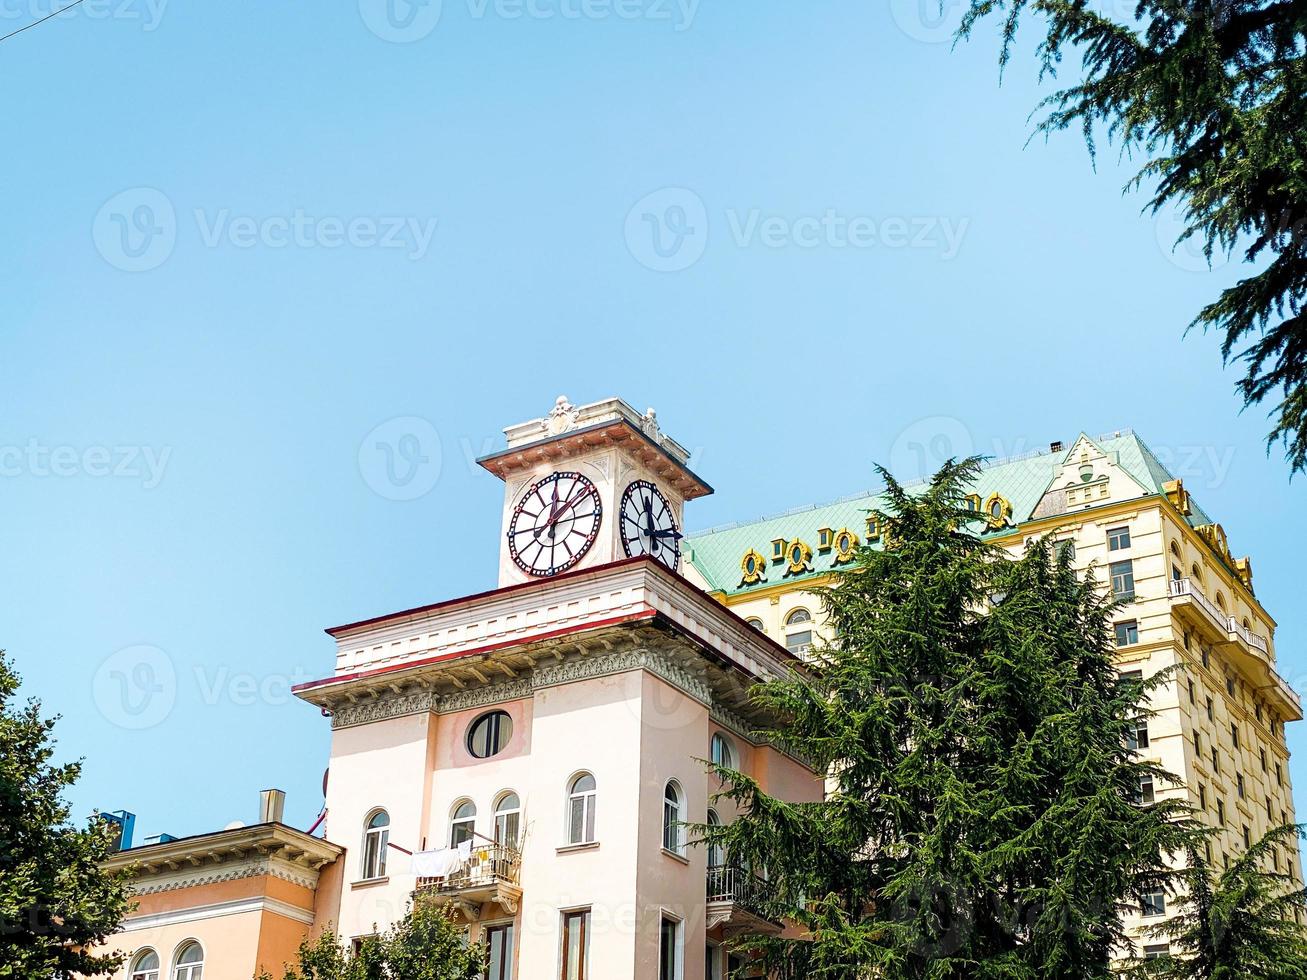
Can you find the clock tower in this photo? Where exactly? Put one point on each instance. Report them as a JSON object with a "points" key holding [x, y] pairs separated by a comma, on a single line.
{"points": [[588, 485]]}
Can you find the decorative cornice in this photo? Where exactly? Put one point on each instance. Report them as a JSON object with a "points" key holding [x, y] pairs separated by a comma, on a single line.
{"points": [[581, 668], [266, 866], [202, 912]]}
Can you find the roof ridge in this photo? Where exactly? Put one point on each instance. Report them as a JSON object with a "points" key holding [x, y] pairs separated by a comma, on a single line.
{"points": [[987, 463]]}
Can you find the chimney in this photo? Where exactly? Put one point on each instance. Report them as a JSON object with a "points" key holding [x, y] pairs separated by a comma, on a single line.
{"points": [[272, 806], [1055, 446]]}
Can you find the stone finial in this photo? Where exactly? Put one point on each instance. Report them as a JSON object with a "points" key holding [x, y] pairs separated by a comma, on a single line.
{"points": [[561, 417]]}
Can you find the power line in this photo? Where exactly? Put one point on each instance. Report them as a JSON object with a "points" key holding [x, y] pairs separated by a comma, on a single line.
{"points": [[53, 13]]}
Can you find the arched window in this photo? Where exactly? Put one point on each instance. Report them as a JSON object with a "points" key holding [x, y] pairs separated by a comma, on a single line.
{"points": [[462, 823], [375, 837], [1196, 574], [716, 853], [145, 966], [581, 810], [757, 624], [798, 631], [723, 752], [489, 734], [673, 819], [190, 962], [1220, 600], [508, 820]]}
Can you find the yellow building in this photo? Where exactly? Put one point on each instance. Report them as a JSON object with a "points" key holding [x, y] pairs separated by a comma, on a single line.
{"points": [[1219, 723]]}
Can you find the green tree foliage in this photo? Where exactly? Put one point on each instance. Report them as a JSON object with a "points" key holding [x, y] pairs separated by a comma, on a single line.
{"points": [[1242, 922], [424, 945], [983, 819], [1212, 93], [55, 899]]}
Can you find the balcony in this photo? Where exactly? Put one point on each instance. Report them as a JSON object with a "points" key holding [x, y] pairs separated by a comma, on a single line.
{"points": [[491, 876], [1248, 650], [739, 901]]}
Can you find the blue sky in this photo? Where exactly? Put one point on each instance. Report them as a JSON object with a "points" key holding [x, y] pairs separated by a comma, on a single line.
{"points": [[245, 238]]}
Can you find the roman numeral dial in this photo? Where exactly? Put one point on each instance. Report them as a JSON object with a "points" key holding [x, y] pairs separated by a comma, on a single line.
{"points": [[648, 525], [554, 524]]}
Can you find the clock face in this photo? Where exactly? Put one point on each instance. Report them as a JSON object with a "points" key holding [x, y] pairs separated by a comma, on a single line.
{"points": [[648, 525], [554, 524]]}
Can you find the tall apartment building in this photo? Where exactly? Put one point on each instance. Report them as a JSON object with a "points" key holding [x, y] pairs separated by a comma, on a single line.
{"points": [[1190, 604], [530, 754]]}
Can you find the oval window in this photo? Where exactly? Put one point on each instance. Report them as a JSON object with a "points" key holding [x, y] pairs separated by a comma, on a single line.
{"points": [[489, 734]]}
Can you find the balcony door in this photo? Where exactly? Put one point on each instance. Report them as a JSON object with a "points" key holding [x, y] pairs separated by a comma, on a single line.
{"points": [[499, 940]]}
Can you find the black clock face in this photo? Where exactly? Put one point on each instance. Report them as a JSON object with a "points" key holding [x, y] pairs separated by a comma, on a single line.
{"points": [[554, 524], [648, 525]]}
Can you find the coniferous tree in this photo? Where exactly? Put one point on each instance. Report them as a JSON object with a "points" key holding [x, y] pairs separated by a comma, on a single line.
{"points": [[1212, 92], [983, 816], [1241, 922], [424, 945], [56, 901]]}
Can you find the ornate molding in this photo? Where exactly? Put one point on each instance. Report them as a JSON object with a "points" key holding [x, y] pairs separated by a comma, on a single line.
{"points": [[266, 866], [384, 708]]}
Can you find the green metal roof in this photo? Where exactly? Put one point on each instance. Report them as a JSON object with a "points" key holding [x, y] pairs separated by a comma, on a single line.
{"points": [[716, 553]]}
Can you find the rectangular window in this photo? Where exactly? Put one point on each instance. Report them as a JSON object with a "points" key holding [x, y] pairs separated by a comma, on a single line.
{"points": [[1279, 775], [1198, 743], [1192, 698], [1211, 710], [499, 943], [1137, 737], [1239, 787], [1146, 795], [1202, 797], [669, 950], [1220, 812], [1123, 579], [1156, 952], [1118, 538], [576, 945], [1127, 633], [1229, 686], [1153, 903], [1234, 735], [1207, 660], [1216, 760], [800, 642], [1247, 837]]}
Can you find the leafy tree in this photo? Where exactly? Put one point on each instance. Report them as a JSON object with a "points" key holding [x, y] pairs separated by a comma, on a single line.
{"points": [[1238, 923], [425, 945], [1212, 93], [56, 901], [983, 816]]}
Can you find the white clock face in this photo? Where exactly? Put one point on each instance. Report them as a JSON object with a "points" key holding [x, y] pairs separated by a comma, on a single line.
{"points": [[554, 524], [648, 524]]}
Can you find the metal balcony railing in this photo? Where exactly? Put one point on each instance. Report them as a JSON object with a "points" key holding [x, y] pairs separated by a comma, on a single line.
{"points": [[743, 888], [491, 865]]}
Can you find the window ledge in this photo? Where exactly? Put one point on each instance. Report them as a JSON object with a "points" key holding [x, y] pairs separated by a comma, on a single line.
{"points": [[676, 857], [370, 882], [592, 845]]}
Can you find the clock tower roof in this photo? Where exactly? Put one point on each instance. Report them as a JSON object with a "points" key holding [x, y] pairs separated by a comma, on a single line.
{"points": [[569, 430]]}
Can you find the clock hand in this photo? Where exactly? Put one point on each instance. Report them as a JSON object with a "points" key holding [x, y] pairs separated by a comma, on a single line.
{"points": [[669, 533]]}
